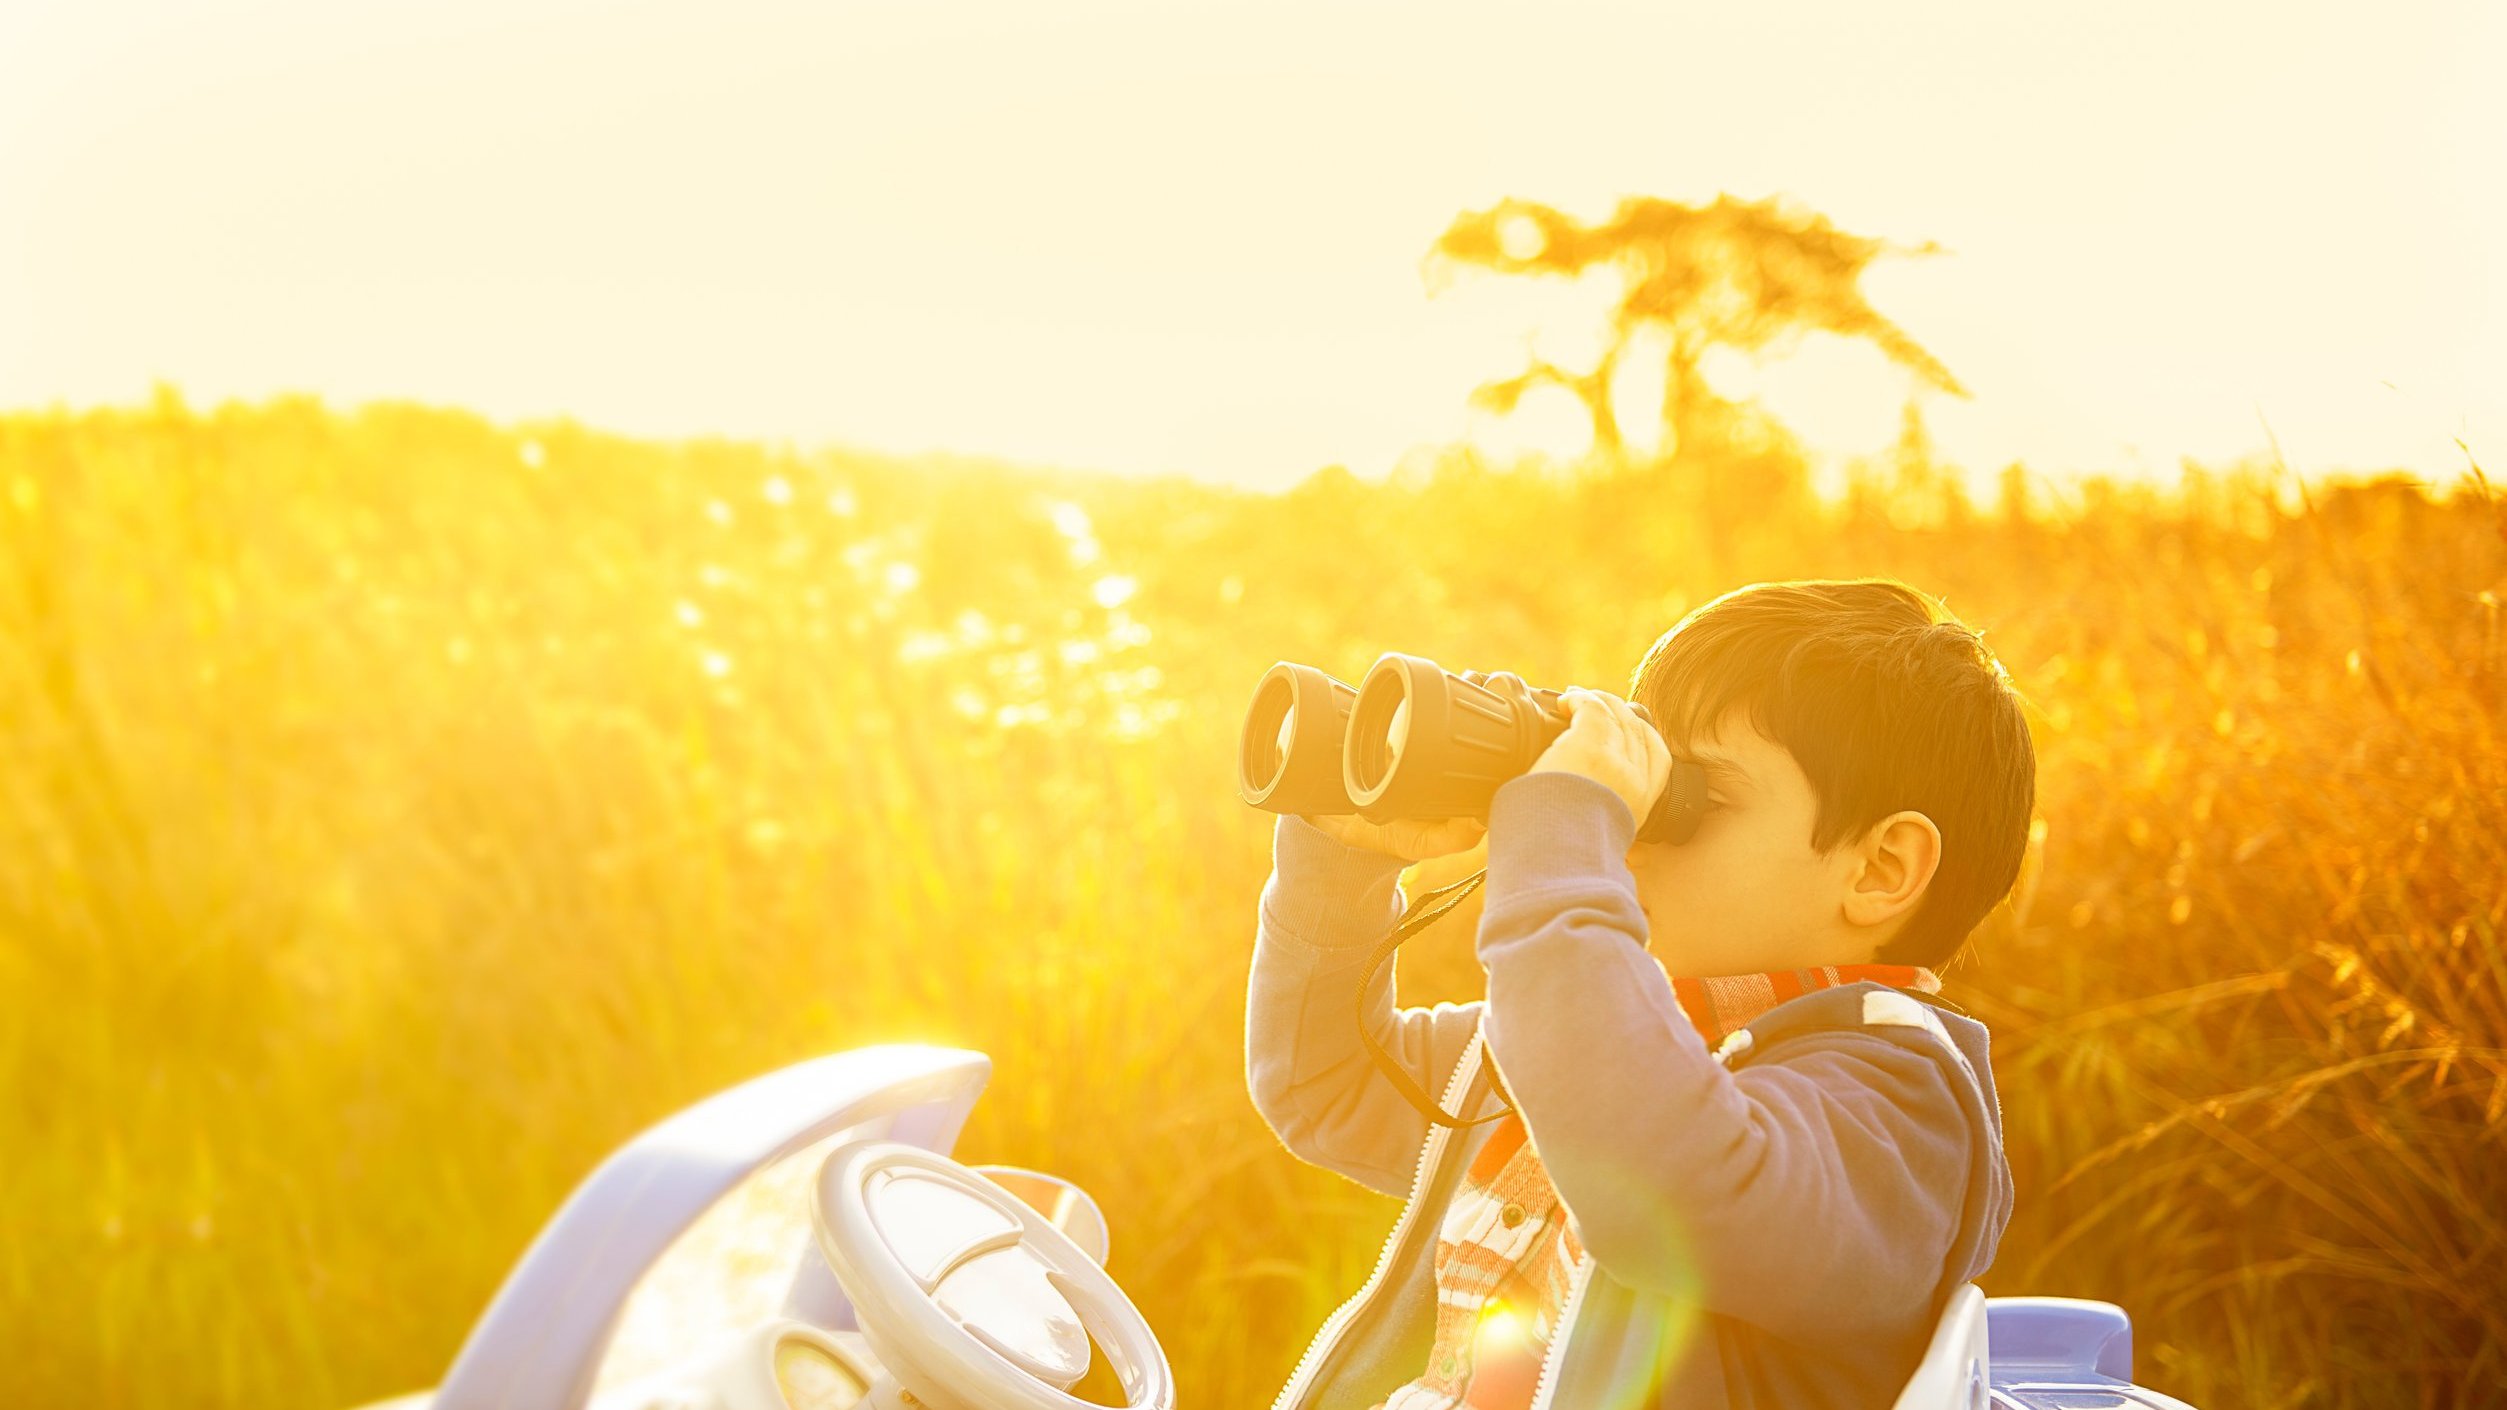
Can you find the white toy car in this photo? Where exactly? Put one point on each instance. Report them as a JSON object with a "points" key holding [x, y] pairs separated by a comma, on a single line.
{"points": [[907, 1281]]}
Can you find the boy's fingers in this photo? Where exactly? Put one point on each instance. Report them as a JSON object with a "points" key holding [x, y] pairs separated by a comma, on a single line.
{"points": [[1640, 738], [1610, 705], [1633, 722]]}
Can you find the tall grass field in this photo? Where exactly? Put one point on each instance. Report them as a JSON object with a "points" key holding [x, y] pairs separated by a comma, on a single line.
{"points": [[401, 811]]}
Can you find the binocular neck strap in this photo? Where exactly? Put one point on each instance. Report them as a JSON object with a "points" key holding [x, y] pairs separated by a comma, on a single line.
{"points": [[1423, 913]]}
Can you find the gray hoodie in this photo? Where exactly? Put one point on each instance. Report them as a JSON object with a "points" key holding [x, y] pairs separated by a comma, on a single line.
{"points": [[1776, 1223]]}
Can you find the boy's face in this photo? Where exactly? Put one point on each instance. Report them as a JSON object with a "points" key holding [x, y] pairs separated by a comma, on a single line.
{"points": [[1746, 892]]}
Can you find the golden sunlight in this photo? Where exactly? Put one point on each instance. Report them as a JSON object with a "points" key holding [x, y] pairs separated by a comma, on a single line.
{"points": [[557, 558]]}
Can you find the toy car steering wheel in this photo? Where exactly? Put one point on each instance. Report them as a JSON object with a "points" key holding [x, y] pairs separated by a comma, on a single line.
{"points": [[969, 1297]]}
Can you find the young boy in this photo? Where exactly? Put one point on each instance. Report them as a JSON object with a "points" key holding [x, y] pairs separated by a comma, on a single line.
{"points": [[1748, 1158]]}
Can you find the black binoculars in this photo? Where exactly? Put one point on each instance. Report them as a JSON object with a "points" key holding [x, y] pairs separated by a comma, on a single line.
{"points": [[1414, 740]]}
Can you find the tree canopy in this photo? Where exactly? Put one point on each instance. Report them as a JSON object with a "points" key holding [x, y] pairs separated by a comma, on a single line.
{"points": [[1739, 274]]}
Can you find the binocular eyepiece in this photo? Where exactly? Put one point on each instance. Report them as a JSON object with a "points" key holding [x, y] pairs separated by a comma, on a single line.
{"points": [[1414, 740]]}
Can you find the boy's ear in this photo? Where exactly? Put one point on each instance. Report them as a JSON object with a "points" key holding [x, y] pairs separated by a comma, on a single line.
{"points": [[1893, 866]]}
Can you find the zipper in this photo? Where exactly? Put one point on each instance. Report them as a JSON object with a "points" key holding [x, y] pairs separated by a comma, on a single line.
{"points": [[1465, 1068], [1545, 1381], [1545, 1384]]}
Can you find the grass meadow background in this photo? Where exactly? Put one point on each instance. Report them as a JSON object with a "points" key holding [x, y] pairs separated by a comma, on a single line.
{"points": [[401, 811]]}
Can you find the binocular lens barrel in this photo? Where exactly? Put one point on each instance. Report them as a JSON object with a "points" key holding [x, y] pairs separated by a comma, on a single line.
{"points": [[1423, 743], [1380, 726], [1288, 759], [1412, 740]]}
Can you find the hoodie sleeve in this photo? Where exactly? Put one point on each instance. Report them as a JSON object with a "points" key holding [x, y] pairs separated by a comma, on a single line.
{"points": [[1321, 914], [1810, 1193]]}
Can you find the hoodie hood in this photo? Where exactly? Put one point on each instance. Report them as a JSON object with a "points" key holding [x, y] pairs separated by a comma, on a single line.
{"points": [[1971, 1040], [1960, 1045]]}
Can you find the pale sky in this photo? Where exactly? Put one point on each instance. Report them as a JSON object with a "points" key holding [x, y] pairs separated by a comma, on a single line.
{"points": [[1167, 237]]}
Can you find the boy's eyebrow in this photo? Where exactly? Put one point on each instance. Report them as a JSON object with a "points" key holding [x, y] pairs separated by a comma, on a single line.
{"points": [[1717, 766]]}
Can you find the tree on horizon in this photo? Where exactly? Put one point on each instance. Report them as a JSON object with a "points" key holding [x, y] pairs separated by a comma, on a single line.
{"points": [[1745, 275]]}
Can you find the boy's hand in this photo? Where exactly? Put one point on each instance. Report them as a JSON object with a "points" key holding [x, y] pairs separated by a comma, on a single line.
{"points": [[1411, 839], [1609, 743]]}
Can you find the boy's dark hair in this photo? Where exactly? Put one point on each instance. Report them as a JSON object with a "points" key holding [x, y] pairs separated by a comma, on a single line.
{"points": [[1887, 701]]}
